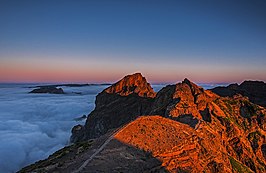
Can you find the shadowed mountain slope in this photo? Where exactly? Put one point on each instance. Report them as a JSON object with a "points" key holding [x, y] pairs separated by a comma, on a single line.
{"points": [[118, 104], [183, 128], [116, 156], [254, 90]]}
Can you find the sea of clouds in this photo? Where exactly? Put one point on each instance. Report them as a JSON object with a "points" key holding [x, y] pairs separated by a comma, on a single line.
{"points": [[33, 126]]}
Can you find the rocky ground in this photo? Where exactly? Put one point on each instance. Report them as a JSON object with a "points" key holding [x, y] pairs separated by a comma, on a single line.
{"points": [[182, 128]]}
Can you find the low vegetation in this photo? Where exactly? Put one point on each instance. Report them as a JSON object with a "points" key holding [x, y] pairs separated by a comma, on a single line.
{"points": [[238, 167]]}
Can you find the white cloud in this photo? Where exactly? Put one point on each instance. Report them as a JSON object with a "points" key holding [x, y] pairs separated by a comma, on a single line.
{"points": [[33, 126]]}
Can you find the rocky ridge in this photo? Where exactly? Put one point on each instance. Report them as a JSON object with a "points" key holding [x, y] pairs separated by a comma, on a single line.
{"points": [[182, 128], [184, 102], [254, 90], [118, 104]]}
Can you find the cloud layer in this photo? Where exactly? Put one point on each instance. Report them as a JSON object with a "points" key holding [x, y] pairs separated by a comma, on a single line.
{"points": [[33, 126]]}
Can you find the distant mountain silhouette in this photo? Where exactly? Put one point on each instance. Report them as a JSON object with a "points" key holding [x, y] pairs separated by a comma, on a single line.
{"points": [[69, 85], [48, 89], [254, 90]]}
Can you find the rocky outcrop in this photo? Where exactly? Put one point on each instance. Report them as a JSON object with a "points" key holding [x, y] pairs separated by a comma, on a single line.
{"points": [[158, 144], [132, 84], [184, 102], [237, 123], [48, 89], [179, 147], [254, 90], [118, 104], [182, 128]]}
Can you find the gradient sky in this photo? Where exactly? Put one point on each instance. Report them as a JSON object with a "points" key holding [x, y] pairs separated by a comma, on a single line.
{"points": [[101, 41]]}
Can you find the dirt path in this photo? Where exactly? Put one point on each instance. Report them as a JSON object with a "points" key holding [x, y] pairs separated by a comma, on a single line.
{"points": [[86, 162]]}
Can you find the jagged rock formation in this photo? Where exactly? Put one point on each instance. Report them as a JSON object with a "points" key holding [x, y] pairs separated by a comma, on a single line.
{"points": [[118, 104], [179, 147], [132, 84], [233, 121], [185, 102], [194, 130], [254, 90], [48, 89]]}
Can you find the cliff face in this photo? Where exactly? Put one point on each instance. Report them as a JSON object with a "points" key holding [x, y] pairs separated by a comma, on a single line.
{"points": [[254, 90], [118, 104], [234, 124], [179, 147], [132, 84], [184, 102], [228, 143], [184, 128], [224, 133]]}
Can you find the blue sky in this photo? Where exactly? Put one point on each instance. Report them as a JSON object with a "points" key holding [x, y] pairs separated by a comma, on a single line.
{"points": [[101, 41]]}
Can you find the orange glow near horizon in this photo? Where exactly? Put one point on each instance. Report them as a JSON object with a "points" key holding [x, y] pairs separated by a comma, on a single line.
{"points": [[99, 42], [103, 71]]}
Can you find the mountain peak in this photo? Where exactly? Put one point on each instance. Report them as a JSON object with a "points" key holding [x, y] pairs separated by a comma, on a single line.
{"points": [[183, 129], [190, 84], [248, 83], [186, 80], [132, 84], [185, 102], [195, 89]]}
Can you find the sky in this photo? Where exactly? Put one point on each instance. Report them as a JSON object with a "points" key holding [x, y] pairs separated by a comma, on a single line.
{"points": [[97, 41]]}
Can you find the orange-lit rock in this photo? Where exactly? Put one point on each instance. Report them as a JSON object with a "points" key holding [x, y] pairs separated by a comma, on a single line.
{"points": [[185, 102], [132, 84], [118, 104], [228, 128], [179, 147], [182, 129]]}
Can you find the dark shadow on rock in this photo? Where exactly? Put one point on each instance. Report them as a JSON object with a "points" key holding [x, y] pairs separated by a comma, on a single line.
{"points": [[162, 100], [215, 167], [247, 110], [121, 157], [188, 119], [115, 157], [254, 90], [263, 150], [226, 91], [113, 111], [206, 116]]}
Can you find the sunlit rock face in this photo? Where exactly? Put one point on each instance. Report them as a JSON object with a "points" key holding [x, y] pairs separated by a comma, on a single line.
{"points": [[132, 84], [232, 125], [182, 128], [185, 102], [118, 104], [179, 147], [237, 123]]}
